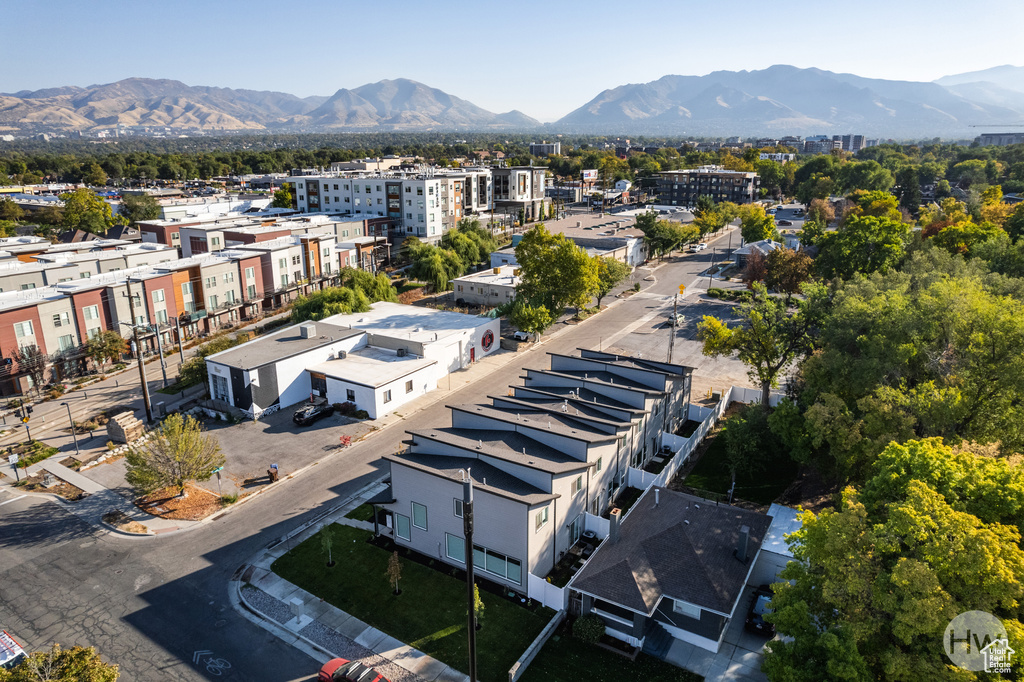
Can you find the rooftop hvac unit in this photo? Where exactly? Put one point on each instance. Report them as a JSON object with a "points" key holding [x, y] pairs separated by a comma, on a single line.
{"points": [[307, 331], [496, 271], [342, 354], [402, 352]]}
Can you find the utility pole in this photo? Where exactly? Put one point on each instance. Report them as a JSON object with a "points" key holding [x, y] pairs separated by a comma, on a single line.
{"points": [[181, 350], [467, 527], [138, 352], [672, 327], [711, 270], [160, 349]]}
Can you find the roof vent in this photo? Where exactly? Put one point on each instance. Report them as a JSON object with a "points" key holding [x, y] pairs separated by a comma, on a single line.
{"points": [[307, 331], [480, 445]]}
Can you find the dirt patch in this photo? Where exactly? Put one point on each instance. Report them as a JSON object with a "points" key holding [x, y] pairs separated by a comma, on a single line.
{"points": [[34, 484], [810, 491], [122, 522], [195, 505], [71, 463]]}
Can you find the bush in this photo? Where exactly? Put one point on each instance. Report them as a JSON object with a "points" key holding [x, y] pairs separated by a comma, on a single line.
{"points": [[345, 409], [636, 287], [225, 500], [715, 293], [588, 629], [361, 414]]}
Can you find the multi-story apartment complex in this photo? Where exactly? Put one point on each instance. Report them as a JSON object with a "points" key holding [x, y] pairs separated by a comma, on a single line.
{"points": [[545, 148], [849, 143], [684, 187]]}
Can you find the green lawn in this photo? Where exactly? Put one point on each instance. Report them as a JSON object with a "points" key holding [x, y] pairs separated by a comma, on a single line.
{"points": [[569, 660], [711, 473], [429, 615], [363, 512]]}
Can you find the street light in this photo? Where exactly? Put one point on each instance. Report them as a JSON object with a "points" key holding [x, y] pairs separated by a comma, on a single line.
{"points": [[73, 434]]}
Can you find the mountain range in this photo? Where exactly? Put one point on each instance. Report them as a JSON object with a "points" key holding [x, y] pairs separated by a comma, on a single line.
{"points": [[779, 100]]}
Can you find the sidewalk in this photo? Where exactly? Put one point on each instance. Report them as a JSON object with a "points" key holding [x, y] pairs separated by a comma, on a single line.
{"points": [[318, 628]]}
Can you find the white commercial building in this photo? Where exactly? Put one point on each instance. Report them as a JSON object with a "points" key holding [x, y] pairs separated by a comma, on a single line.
{"points": [[489, 287]]}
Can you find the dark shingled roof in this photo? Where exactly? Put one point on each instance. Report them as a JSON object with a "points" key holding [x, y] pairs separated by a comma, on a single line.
{"points": [[658, 554], [497, 481]]}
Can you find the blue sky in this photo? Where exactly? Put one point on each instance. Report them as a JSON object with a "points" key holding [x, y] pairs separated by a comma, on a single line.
{"points": [[543, 58]]}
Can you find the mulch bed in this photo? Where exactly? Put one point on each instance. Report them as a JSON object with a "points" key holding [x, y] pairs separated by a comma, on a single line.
{"points": [[34, 484], [166, 503]]}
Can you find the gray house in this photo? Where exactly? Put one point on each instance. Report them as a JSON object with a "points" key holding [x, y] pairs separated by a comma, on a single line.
{"points": [[676, 563]]}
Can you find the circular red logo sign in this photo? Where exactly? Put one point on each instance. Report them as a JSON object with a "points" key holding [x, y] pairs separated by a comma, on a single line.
{"points": [[488, 340]]}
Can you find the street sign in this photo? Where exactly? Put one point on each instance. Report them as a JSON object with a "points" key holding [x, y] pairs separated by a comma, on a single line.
{"points": [[13, 459], [24, 420], [218, 469], [682, 289]]}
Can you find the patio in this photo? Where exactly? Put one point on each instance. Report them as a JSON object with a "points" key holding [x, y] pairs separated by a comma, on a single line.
{"points": [[573, 560]]}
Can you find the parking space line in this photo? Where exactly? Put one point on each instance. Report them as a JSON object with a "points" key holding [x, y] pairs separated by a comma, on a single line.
{"points": [[13, 499]]}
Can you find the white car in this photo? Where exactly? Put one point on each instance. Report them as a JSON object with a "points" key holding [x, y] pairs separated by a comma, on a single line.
{"points": [[694, 248], [521, 336]]}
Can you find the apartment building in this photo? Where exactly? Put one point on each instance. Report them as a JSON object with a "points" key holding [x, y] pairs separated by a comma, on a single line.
{"points": [[520, 188], [545, 148], [684, 187]]}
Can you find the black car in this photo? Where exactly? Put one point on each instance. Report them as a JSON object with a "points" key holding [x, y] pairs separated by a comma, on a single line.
{"points": [[759, 606], [310, 413]]}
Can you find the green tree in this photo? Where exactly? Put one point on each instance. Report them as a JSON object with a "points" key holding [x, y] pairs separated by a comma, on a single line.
{"points": [[94, 175], [610, 271], [865, 175], [864, 244], [176, 453], [1014, 224], [755, 224], [530, 319], [77, 664], [10, 210], [85, 211], [908, 189], [136, 207], [326, 542], [554, 272], [664, 236], [394, 571], [769, 336], [107, 346], [327, 302], [478, 607], [282, 198]]}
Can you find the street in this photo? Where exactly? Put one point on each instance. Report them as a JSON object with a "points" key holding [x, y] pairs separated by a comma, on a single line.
{"points": [[158, 606]]}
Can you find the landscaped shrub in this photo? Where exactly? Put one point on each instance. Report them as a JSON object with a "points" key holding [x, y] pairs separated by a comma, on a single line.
{"points": [[715, 293], [588, 629], [345, 409]]}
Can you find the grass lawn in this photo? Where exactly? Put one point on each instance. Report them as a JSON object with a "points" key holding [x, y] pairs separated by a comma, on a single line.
{"points": [[409, 286], [564, 659], [429, 615], [363, 512], [712, 473]]}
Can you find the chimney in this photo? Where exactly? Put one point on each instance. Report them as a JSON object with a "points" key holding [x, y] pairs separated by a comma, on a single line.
{"points": [[741, 544], [614, 518]]}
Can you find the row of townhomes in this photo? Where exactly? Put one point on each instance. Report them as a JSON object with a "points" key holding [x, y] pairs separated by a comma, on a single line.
{"points": [[550, 463], [188, 276]]}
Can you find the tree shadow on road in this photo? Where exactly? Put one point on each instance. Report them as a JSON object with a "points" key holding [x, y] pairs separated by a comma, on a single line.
{"points": [[41, 524]]}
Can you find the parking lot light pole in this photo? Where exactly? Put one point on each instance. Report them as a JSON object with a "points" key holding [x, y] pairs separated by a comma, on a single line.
{"points": [[73, 434]]}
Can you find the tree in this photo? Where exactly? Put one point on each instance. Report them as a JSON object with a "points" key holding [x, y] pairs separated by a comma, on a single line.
{"points": [[768, 338], [610, 271], [478, 607], [94, 175], [77, 664], [10, 210], [749, 443], [136, 207], [528, 318], [864, 244], [176, 453], [755, 270], [327, 302], [866, 175], [31, 361], [663, 236], [554, 272], [787, 270], [83, 210], [871, 590], [755, 224], [282, 198], [394, 571], [326, 542], [107, 346], [1014, 224], [908, 189]]}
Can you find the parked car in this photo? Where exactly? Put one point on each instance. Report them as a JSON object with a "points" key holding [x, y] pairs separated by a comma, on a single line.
{"points": [[759, 606], [700, 246], [344, 670], [311, 413], [785, 223], [521, 336]]}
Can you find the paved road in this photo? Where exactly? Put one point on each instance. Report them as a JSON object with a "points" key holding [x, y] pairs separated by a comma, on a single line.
{"points": [[150, 603]]}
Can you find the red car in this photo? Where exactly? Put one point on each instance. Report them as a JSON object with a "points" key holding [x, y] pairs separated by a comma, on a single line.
{"points": [[342, 670]]}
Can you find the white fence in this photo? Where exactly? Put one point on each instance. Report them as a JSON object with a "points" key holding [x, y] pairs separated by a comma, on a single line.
{"points": [[596, 524], [684, 447], [551, 596]]}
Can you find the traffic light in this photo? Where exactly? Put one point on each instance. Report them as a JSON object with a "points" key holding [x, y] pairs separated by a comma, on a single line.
{"points": [[29, 408]]}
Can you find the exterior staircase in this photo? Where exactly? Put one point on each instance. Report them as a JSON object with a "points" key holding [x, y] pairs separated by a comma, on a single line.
{"points": [[657, 640]]}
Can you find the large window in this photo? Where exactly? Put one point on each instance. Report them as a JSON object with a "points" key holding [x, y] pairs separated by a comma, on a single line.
{"points": [[220, 388], [499, 564], [686, 609], [577, 484], [402, 527], [22, 329], [455, 547], [540, 519], [419, 515]]}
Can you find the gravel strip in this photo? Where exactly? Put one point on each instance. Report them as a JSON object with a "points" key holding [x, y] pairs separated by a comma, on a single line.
{"points": [[264, 603]]}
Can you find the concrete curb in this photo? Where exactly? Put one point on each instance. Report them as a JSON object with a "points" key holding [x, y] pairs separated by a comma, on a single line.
{"points": [[238, 601]]}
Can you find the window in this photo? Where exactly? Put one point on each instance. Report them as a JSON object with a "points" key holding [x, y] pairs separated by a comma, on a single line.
{"points": [[458, 507], [498, 564], [161, 316], [220, 387], [282, 263], [419, 191], [211, 282], [251, 291], [402, 527], [230, 296], [22, 329], [599, 461], [688, 610], [350, 395], [213, 300], [66, 342], [284, 280], [577, 484], [215, 241], [85, 274], [25, 287], [387, 396], [540, 519], [93, 333], [186, 289], [61, 319], [229, 277], [250, 273], [419, 516], [408, 386], [158, 295], [455, 547]]}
